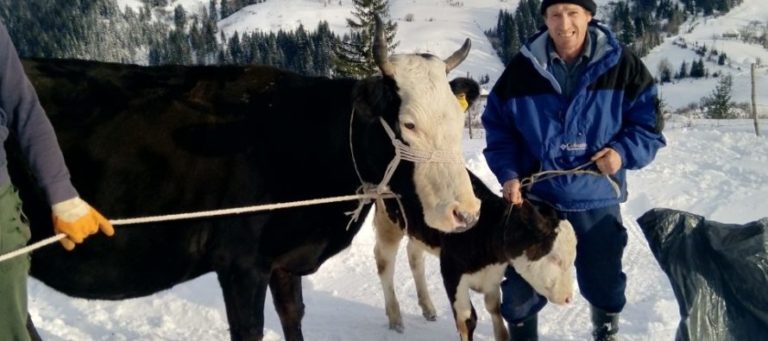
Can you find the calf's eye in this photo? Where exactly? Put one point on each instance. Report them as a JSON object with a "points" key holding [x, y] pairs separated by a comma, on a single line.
{"points": [[409, 126]]}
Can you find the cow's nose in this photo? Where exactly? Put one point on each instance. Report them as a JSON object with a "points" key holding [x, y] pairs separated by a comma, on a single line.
{"points": [[464, 220]]}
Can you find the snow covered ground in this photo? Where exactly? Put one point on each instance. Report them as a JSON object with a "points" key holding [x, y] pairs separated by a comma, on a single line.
{"points": [[715, 169]]}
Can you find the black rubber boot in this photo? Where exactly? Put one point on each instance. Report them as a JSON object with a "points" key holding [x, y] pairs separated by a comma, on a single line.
{"points": [[528, 330], [605, 325]]}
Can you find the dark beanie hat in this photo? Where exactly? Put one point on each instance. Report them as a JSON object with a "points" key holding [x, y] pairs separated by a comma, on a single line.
{"points": [[589, 5]]}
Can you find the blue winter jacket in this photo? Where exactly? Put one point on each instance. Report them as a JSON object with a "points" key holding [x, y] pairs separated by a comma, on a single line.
{"points": [[531, 127]]}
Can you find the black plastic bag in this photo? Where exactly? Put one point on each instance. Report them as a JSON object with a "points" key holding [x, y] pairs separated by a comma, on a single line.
{"points": [[718, 272]]}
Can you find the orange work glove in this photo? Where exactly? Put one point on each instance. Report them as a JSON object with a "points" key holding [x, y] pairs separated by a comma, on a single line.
{"points": [[78, 220]]}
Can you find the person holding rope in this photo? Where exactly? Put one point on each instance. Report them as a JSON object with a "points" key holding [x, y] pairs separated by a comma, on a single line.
{"points": [[573, 99], [22, 117]]}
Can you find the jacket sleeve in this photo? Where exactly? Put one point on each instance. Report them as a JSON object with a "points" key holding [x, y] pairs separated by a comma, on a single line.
{"points": [[24, 116], [503, 142], [642, 121]]}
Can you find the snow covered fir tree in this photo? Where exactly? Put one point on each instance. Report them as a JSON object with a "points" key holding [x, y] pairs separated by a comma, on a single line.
{"points": [[354, 55]]}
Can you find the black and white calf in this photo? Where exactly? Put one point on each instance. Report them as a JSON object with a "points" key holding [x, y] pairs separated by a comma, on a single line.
{"points": [[541, 247]]}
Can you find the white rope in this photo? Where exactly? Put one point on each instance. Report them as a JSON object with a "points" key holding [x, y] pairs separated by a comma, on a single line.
{"points": [[407, 152], [204, 214], [540, 176], [44, 242], [402, 152], [365, 187]]}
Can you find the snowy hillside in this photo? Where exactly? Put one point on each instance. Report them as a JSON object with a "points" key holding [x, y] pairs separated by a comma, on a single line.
{"points": [[715, 169], [436, 26], [439, 28], [709, 32]]}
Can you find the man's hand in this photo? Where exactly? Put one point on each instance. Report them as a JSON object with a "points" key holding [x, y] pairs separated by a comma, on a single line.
{"points": [[608, 161], [78, 220], [511, 192]]}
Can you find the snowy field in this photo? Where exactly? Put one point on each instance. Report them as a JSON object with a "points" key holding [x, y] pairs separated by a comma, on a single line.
{"points": [[715, 169]]}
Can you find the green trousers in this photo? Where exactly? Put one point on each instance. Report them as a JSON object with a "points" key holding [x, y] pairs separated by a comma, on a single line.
{"points": [[14, 234]]}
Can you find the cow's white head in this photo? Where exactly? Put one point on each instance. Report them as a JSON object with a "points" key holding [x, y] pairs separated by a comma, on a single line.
{"points": [[547, 264], [430, 120]]}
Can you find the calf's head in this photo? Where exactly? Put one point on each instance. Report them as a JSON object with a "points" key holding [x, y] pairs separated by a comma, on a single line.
{"points": [[547, 259], [414, 98]]}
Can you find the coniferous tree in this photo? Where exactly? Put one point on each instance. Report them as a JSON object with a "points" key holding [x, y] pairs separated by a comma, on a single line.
{"points": [[511, 42], [683, 70], [665, 71], [512, 30], [212, 12], [323, 40], [354, 55], [179, 17], [718, 104], [225, 8], [235, 49], [697, 68]]}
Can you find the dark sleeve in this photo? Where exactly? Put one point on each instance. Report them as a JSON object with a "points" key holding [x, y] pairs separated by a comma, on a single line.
{"points": [[24, 116], [640, 136]]}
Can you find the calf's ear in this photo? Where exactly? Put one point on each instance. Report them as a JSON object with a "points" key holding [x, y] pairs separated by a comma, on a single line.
{"points": [[528, 212]]}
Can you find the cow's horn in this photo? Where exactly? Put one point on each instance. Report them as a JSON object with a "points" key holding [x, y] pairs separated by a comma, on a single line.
{"points": [[380, 53], [457, 57]]}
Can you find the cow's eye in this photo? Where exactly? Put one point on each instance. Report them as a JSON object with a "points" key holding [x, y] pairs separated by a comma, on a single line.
{"points": [[409, 126]]}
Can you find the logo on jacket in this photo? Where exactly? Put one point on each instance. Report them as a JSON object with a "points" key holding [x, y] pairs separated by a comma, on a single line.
{"points": [[573, 146]]}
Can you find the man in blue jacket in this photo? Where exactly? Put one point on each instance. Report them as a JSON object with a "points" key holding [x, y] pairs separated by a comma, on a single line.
{"points": [[22, 117], [573, 97]]}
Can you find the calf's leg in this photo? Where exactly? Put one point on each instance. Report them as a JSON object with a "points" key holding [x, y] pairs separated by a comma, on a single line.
{"points": [[416, 262], [388, 236], [458, 294], [493, 306]]}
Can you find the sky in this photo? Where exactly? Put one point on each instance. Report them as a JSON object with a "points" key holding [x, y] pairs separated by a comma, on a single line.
{"points": [[711, 168]]}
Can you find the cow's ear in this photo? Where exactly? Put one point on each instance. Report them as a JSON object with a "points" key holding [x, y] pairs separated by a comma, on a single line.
{"points": [[376, 96], [215, 139]]}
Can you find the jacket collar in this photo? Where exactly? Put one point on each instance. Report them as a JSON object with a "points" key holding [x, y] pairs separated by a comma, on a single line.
{"points": [[535, 49]]}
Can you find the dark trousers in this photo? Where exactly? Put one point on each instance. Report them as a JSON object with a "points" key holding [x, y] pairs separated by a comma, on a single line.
{"points": [[601, 238]]}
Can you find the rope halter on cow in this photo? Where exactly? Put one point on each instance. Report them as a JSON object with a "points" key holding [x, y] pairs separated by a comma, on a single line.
{"points": [[402, 152]]}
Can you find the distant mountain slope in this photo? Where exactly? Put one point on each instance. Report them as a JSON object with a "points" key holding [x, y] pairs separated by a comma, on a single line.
{"points": [[709, 32], [432, 26], [440, 26]]}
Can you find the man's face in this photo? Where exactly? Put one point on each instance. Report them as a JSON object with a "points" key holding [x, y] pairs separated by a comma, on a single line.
{"points": [[567, 25]]}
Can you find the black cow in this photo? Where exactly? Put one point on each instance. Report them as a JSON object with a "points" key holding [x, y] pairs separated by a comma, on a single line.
{"points": [[541, 247], [143, 141]]}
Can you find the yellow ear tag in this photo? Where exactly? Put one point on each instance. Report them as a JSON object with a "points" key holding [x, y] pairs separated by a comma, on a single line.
{"points": [[462, 102]]}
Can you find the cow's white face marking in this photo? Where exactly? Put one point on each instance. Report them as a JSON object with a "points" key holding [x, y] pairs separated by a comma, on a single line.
{"points": [[552, 275], [431, 119]]}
